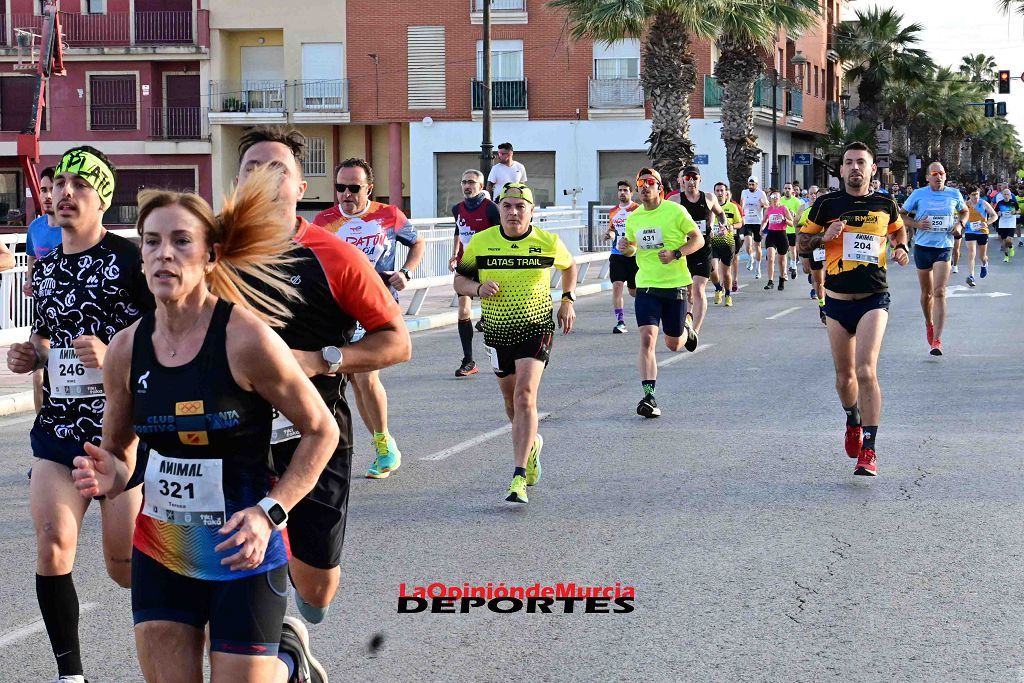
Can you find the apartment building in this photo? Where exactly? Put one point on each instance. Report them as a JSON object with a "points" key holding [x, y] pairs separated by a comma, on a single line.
{"points": [[132, 89]]}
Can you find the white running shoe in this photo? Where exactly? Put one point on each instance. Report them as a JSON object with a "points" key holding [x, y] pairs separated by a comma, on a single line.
{"points": [[956, 269]]}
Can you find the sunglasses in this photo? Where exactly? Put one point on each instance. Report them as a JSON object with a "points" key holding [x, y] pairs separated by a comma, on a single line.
{"points": [[649, 182], [354, 189], [691, 176], [937, 174]]}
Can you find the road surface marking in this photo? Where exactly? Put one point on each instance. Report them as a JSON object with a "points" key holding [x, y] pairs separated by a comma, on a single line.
{"points": [[35, 627], [683, 354], [782, 313], [487, 436]]}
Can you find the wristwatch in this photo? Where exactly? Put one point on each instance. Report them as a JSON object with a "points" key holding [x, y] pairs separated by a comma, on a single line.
{"points": [[275, 512], [900, 246], [406, 273], [332, 356], [678, 254], [569, 296]]}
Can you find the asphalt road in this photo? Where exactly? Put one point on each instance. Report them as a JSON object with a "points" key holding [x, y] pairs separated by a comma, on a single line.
{"points": [[754, 552]]}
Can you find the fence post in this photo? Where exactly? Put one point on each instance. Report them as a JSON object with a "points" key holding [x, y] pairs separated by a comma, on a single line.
{"points": [[590, 224]]}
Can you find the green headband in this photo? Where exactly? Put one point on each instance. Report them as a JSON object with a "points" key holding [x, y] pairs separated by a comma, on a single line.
{"points": [[91, 169]]}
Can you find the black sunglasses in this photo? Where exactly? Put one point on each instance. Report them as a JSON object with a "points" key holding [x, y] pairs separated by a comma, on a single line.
{"points": [[354, 189]]}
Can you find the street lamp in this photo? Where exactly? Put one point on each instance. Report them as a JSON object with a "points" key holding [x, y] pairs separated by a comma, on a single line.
{"points": [[800, 62]]}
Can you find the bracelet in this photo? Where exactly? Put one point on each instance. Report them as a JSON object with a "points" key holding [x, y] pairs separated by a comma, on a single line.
{"points": [[478, 290], [900, 246]]}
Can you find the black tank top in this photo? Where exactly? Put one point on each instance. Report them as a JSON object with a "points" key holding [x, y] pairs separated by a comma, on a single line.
{"points": [[699, 211]]}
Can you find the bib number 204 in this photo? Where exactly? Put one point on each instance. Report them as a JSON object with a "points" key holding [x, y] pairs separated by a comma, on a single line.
{"points": [[175, 489]]}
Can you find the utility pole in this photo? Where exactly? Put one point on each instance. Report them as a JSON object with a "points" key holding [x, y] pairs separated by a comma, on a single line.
{"points": [[775, 128], [486, 146]]}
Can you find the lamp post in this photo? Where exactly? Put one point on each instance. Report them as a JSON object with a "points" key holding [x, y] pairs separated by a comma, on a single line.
{"points": [[800, 62]]}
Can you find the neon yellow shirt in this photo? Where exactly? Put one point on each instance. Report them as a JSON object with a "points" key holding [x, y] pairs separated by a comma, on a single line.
{"points": [[666, 227], [794, 205]]}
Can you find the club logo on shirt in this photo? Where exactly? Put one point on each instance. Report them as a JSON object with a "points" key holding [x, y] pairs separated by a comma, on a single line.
{"points": [[143, 382], [191, 423]]}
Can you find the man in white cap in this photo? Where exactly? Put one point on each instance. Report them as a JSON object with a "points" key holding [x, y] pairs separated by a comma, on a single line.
{"points": [[753, 201]]}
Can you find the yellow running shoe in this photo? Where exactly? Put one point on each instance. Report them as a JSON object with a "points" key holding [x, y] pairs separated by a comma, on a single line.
{"points": [[517, 490], [718, 297], [533, 463], [728, 299]]}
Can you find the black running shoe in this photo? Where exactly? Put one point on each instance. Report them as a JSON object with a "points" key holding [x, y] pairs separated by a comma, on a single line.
{"points": [[782, 283], [467, 368], [691, 336], [295, 642], [770, 285], [479, 324], [648, 407]]}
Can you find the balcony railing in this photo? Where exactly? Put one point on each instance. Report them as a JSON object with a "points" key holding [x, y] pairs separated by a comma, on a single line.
{"points": [[616, 93], [762, 93], [177, 123], [113, 117], [501, 5], [3, 30], [263, 97], [832, 110], [795, 102], [114, 29], [505, 95], [321, 96]]}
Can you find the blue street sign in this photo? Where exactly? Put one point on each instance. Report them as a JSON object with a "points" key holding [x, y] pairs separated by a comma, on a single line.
{"points": [[700, 159], [802, 159]]}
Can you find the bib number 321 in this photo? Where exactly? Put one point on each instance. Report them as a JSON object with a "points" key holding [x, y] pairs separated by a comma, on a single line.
{"points": [[184, 491]]}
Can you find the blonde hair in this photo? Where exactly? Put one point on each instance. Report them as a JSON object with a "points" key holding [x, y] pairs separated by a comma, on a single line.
{"points": [[254, 243]]}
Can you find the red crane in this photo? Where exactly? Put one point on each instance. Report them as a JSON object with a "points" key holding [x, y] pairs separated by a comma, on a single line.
{"points": [[51, 63]]}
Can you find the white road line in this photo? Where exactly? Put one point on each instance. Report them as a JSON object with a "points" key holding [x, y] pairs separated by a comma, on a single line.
{"points": [[35, 627], [681, 355], [782, 313], [487, 436]]}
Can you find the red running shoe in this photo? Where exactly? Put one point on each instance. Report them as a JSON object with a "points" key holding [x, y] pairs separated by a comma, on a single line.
{"points": [[936, 347], [854, 440], [929, 331], [866, 463]]}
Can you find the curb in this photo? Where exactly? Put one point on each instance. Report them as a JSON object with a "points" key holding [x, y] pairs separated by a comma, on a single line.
{"points": [[12, 404]]}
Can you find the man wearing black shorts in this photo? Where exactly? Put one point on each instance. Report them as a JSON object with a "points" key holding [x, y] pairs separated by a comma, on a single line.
{"points": [[621, 268], [704, 210]]}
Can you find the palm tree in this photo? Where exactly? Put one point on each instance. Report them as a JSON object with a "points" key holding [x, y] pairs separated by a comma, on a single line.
{"points": [[1007, 5], [669, 75], [979, 67], [837, 137], [748, 29], [879, 50]]}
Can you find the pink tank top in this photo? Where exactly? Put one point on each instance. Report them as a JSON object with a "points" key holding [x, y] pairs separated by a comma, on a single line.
{"points": [[776, 216]]}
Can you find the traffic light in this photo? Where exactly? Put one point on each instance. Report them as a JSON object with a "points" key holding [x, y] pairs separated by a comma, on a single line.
{"points": [[1000, 108], [990, 108], [1004, 82]]}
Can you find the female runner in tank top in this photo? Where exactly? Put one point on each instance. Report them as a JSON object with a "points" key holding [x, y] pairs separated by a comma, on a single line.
{"points": [[981, 216], [196, 381], [776, 218]]}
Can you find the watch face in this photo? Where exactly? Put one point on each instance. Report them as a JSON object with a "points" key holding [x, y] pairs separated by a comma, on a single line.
{"points": [[332, 354], [277, 514]]}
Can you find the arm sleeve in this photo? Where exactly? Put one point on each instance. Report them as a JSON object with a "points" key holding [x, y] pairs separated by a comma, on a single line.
{"points": [[467, 266], [630, 230], [563, 259], [815, 218], [895, 219], [404, 230]]}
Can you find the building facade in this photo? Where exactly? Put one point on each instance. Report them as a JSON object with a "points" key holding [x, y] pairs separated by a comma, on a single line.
{"points": [[132, 89]]}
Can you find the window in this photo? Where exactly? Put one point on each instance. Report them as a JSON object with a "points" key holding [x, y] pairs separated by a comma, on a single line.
{"points": [[124, 206], [540, 169], [95, 6], [617, 60], [113, 102], [807, 77], [816, 81], [315, 162], [426, 67], [16, 103], [323, 71], [506, 60], [616, 166]]}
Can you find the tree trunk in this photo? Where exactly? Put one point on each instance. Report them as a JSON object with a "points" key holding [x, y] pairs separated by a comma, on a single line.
{"points": [[899, 158], [967, 161], [737, 71], [669, 78], [949, 144], [870, 94]]}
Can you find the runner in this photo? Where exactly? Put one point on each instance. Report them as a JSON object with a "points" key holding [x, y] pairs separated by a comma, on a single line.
{"points": [[814, 263], [792, 201], [725, 244], [982, 215], [509, 267], [661, 233], [376, 229], [85, 290], [43, 236], [621, 268], [1007, 207], [940, 212], [754, 201], [472, 215], [340, 290], [853, 225], [196, 379], [737, 213], [776, 218], [703, 209]]}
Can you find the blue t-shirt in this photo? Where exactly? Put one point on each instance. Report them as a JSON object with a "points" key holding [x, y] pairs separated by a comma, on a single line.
{"points": [[942, 207], [42, 238]]}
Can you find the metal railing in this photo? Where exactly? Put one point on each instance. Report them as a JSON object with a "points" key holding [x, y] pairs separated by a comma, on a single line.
{"points": [[247, 96], [762, 93], [795, 102], [616, 93], [177, 123], [3, 30], [115, 28], [832, 110], [328, 96], [500, 5], [113, 117], [505, 95]]}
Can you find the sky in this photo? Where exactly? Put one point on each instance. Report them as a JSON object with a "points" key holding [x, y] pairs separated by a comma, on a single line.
{"points": [[954, 28]]}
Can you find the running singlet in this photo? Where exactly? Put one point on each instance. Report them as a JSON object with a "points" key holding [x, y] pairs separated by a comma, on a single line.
{"points": [[469, 221], [617, 221], [752, 208], [374, 231], [98, 292], [776, 216], [1005, 209], [976, 221], [209, 445], [522, 307], [795, 206], [42, 238], [940, 210], [855, 261], [702, 216], [666, 227], [722, 234]]}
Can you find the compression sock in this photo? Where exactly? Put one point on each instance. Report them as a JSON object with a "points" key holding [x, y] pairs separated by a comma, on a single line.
{"points": [[466, 337], [718, 286], [852, 415], [519, 472], [869, 436], [58, 603], [619, 314], [648, 385]]}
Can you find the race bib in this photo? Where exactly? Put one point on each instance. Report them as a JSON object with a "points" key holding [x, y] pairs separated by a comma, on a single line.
{"points": [[702, 226], [819, 254], [492, 353], [1007, 221], [939, 223], [69, 378], [184, 491], [751, 216], [721, 230], [776, 219], [860, 247], [650, 238], [465, 234], [282, 429]]}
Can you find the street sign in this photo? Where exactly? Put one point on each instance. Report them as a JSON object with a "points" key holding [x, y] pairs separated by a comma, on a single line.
{"points": [[700, 159], [884, 147], [918, 164], [803, 159], [882, 161], [883, 136]]}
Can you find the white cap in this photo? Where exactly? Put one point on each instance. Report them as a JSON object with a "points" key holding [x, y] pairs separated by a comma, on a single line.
{"points": [[751, 179]]}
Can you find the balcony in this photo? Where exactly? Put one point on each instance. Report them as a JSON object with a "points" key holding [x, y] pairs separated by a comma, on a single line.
{"points": [[247, 102], [502, 11], [832, 110], [177, 123], [320, 101], [762, 99], [616, 98], [794, 106], [125, 29], [113, 117], [506, 96]]}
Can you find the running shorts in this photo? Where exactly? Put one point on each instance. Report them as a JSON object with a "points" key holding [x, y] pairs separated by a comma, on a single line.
{"points": [[661, 307], [503, 358], [1006, 233], [814, 265], [926, 257], [754, 231], [622, 269], [849, 313], [47, 446], [244, 615], [738, 239], [699, 262], [723, 252], [776, 239], [791, 236], [979, 237]]}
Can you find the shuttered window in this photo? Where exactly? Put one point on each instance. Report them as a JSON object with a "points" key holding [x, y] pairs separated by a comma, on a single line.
{"points": [[315, 161], [16, 103], [426, 67], [112, 102]]}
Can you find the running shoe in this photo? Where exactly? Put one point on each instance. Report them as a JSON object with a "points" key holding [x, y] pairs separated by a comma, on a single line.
{"points": [[1012, 252], [867, 463], [468, 368], [757, 273], [295, 642], [792, 273], [648, 407], [1020, 243], [970, 281], [728, 300], [854, 440], [1006, 259], [956, 270], [517, 490], [936, 348], [718, 296], [388, 459], [782, 283], [750, 263], [821, 314], [620, 328], [735, 287], [814, 295], [533, 467], [984, 272], [691, 334], [480, 324], [770, 285], [929, 332]]}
